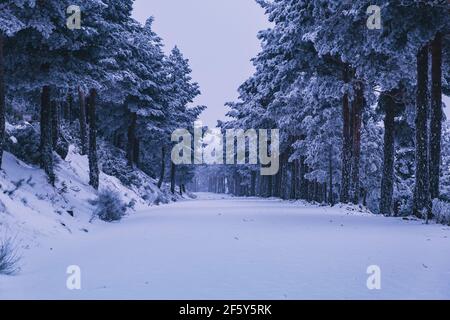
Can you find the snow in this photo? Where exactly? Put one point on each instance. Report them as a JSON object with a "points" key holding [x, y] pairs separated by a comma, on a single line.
{"points": [[219, 247], [31, 209]]}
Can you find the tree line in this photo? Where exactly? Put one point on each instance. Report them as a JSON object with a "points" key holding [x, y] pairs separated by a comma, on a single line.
{"points": [[359, 110]]}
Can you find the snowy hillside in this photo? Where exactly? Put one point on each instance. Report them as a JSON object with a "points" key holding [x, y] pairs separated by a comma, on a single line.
{"points": [[31, 208]]}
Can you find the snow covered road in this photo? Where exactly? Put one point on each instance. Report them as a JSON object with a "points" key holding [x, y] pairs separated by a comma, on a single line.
{"points": [[232, 248]]}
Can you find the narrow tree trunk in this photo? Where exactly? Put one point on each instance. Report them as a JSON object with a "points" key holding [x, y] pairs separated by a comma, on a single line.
{"points": [[136, 152], [387, 180], [131, 139], [330, 176], [297, 179], [270, 186], [293, 179], [236, 184], [346, 144], [69, 107], [2, 100], [46, 135], [253, 184], [356, 150], [422, 205], [436, 115], [82, 119], [303, 180], [163, 167], [172, 176], [93, 161], [86, 109], [55, 123]]}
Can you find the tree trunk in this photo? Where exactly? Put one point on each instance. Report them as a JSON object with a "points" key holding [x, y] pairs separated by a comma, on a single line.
{"points": [[136, 152], [422, 200], [82, 119], [55, 123], [2, 100], [297, 179], [303, 181], [293, 193], [131, 139], [436, 115], [346, 144], [163, 167], [356, 151], [86, 109], [387, 181], [270, 186], [93, 162], [330, 176], [253, 184], [172, 176], [69, 107], [46, 135]]}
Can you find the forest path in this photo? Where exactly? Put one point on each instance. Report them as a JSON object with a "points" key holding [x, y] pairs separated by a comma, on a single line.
{"points": [[241, 248]]}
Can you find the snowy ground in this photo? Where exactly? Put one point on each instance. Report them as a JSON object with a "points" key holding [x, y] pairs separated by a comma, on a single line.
{"points": [[227, 248]]}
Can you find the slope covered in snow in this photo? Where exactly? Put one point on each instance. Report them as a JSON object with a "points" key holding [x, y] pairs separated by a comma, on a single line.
{"points": [[30, 208]]}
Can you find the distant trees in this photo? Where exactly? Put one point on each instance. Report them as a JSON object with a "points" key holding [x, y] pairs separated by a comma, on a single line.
{"points": [[318, 77]]}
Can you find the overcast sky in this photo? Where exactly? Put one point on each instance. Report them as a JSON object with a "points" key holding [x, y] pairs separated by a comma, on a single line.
{"points": [[219, 39], [217, 36]]}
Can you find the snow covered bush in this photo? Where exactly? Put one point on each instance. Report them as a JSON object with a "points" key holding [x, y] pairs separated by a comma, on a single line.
{"points": [[9, 258], [441, 211], [113, 163], [108, 206]]}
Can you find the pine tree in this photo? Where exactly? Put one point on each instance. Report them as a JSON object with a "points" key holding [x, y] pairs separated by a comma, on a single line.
{"points": [[10, 24]]}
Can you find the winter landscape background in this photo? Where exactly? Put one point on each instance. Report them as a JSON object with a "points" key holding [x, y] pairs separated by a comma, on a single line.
{"points": [[93, 207]]}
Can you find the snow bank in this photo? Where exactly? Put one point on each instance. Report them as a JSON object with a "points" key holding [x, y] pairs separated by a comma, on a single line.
{"points": [[30, 208]]}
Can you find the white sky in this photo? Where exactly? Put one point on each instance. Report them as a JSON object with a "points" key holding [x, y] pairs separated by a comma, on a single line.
{"points": [[217, 36]]}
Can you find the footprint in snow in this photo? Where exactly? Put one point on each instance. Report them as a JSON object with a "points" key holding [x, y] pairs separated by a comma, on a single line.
{"points": [[236, 238], [425, 266]]}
